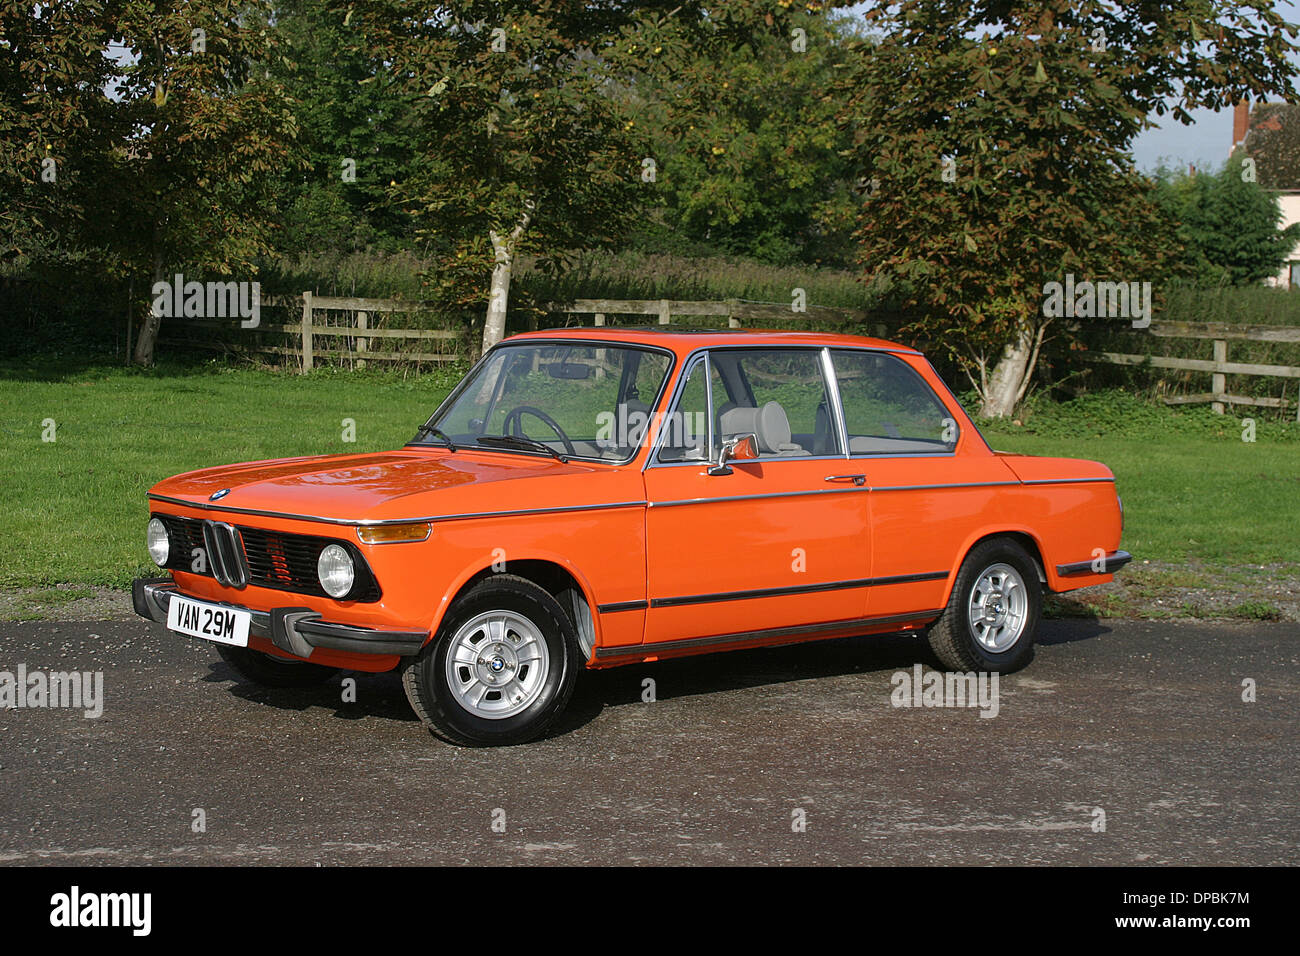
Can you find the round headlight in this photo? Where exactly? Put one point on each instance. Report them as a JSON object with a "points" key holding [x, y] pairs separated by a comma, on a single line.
{"points": [[157, 542], [334, 568]]}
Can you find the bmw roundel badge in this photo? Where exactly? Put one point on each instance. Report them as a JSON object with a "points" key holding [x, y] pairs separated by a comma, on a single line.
{"points": [[218, 495]]}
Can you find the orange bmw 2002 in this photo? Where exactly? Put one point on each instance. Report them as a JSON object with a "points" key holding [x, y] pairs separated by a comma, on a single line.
{"points": [[588, 498]]}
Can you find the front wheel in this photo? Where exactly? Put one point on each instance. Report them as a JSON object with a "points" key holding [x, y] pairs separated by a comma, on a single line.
{"points": [[501, 668], [993, 611]]}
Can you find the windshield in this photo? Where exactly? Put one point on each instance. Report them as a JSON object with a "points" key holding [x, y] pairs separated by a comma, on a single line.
{"points": [[574, 401]]}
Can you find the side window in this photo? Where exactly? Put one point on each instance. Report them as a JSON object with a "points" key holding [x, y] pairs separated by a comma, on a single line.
{"points": [[780, 396], [888, 407], [686, 428]]}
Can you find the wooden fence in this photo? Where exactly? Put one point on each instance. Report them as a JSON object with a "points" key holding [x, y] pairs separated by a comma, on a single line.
{"points": [[359, 331], [1219, 367], [735, 311], [362, 334]]}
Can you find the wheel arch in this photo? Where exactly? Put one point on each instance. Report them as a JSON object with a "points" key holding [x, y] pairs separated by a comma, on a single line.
{"points": [[1022, 536], [559, 579]]}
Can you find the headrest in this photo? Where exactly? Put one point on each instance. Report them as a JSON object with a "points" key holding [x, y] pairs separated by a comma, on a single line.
{"points": [[769, 424]]}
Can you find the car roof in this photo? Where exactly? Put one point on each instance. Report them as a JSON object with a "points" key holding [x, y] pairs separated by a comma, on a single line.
{"points": [[684, 340]]}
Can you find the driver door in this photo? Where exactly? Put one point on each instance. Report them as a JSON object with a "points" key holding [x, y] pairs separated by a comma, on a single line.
{"points": [[780, 542]]}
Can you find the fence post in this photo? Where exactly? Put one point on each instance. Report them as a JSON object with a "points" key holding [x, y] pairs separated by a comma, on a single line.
{"points": [[1219, 381], [600, 353], [733, 306], [306, 332], [664, 316], [363, 321]]}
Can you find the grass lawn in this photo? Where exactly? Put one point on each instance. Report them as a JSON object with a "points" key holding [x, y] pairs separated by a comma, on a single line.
{"points": [[1193, 490], [73, 510]]}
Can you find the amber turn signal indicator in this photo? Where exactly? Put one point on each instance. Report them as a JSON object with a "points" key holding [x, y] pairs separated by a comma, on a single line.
{"points": [[394, 533]]}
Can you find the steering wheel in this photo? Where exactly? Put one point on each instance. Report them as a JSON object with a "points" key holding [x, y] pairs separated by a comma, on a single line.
{"points": [[514, 425]]}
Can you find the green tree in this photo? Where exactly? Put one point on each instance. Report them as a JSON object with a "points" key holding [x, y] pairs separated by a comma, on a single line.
{"points": [[1228, 224], [999, 138], [525, 138], [519, 147], [355, 133], [748, 153], [202, 132], [54, 65]]}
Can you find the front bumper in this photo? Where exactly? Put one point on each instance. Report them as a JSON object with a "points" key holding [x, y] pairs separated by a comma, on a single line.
{"points": [[295, 630]]}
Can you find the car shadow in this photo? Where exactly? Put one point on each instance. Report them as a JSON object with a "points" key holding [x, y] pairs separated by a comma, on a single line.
{"points": [[381, 695], [1067, 630], [772, 666], [376, 695]]}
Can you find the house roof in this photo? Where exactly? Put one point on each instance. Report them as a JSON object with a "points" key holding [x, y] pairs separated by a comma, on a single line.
{"points": [[1272, 139]]}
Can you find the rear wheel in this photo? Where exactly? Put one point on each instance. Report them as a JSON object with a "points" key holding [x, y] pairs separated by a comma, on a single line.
{"points": [[993, 611], [501, 668], [271, 671]]}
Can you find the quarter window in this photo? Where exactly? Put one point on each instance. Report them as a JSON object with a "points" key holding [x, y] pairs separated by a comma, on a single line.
{"points": [[888, 407]]}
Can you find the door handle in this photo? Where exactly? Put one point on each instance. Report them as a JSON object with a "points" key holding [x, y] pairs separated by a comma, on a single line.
{"points": [[858, 480]]}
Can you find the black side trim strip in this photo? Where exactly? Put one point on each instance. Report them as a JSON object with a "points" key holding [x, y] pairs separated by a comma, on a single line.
{"points": [[773, 634], [621, 606], [798, 589], [1109, 564]]}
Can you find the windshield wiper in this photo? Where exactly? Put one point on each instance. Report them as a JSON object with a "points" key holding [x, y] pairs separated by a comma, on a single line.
{"points": [[517, 441], [436, 433]]}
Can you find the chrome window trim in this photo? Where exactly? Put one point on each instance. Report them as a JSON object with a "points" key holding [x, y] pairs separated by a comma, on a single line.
{"points": [[674, 402], [837, 403], [708, 412], [765, 461], [652, 460]]}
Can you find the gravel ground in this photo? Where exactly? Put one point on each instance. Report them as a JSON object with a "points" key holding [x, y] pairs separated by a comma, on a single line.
{"points": [[1122, 743]]}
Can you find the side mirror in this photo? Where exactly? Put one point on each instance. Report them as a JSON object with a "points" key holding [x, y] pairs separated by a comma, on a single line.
{"points": [[736, 448]]}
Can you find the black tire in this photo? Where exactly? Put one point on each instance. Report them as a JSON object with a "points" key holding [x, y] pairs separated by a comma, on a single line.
{"points": [[425, 679], [954, 638], [271, 671]]}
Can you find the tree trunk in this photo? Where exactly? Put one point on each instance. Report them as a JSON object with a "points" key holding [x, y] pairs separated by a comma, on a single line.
{"points": [[494, 328], [148, 338], [1010, 379], [503, 251]]}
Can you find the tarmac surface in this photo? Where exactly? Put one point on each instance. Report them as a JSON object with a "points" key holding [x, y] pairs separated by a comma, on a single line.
{"points": [[1124, 742]]}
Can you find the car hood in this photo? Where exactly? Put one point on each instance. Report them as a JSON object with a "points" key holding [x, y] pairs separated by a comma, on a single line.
{"points": [[411, 483]]}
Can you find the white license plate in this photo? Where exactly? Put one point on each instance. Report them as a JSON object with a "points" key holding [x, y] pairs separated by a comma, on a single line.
{"points": [[212, 622]]}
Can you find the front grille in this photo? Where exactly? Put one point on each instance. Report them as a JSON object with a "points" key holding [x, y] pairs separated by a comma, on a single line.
{"points": [[187, 545], [239, 556], [287, 562]]}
